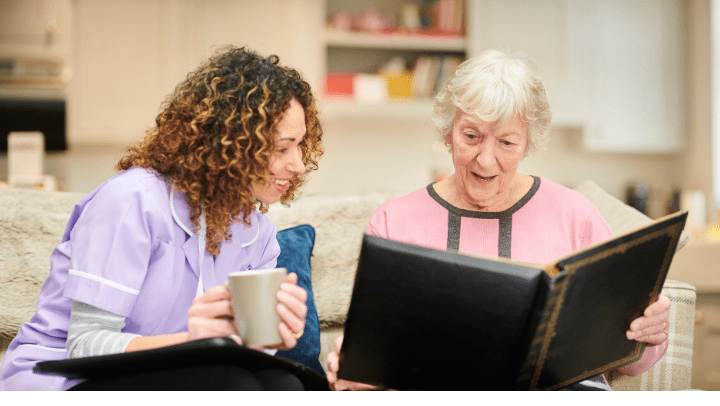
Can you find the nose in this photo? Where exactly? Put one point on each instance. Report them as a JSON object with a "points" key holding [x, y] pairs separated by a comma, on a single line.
{"points": [[486, 155], [295, 163]]}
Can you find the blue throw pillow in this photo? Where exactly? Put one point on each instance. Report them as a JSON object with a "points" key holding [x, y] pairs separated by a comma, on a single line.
{"points": [[296, 245]]}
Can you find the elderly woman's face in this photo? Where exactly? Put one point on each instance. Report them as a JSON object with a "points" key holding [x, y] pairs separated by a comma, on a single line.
{"points": [[286, 162], [486, 158]]}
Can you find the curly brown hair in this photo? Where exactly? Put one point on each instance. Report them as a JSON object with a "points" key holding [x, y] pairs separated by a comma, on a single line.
{"points": [[216, 132]]}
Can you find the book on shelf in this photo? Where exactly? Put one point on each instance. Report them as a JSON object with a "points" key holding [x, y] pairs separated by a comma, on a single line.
{"points": [[424, 75], [449, 64], [431, 72], [421, 318], [448, 16]]}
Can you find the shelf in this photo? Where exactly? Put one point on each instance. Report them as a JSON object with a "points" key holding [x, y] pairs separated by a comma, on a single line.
{"points": [[394, 41], [414, 109]]}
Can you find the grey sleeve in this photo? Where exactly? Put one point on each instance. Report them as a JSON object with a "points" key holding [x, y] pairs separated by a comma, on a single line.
{"points": [[94, 331]]}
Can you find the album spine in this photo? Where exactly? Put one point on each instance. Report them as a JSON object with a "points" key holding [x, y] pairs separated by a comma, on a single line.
{"points": [[541, 336]]}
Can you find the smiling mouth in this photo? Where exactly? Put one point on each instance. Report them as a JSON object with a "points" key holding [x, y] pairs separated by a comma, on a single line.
{"points": [[281, 184], [484, 178]]}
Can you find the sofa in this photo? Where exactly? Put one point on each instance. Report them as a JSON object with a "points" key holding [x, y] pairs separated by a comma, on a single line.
{"points": [[32, 223]]}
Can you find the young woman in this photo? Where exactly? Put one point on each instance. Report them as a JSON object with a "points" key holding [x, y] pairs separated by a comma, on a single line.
{"points": [[145, 256]]}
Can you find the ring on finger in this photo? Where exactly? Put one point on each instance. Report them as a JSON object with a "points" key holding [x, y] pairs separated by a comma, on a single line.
{"points": [[665, 326], [298, 335]]}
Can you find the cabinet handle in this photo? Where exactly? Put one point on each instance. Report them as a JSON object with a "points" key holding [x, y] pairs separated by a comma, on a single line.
{"points": [[699, 317]]}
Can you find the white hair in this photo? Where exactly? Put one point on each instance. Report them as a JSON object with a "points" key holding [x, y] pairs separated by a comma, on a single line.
{"points": [[495, 87]]}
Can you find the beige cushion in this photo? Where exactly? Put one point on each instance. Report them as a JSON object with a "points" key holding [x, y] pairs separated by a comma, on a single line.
{"points": [[619, 216], [340, 223], [31, 226]]}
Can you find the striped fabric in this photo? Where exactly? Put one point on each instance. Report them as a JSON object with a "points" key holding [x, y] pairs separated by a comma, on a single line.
{"points": [[95, 332], [674, 370]]}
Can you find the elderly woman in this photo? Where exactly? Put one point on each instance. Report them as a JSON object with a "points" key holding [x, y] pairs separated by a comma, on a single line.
{"points": [[145, 256], [492, 113]]}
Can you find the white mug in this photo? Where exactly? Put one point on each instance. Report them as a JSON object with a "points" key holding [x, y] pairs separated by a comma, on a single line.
{"points": [[254, 302]]}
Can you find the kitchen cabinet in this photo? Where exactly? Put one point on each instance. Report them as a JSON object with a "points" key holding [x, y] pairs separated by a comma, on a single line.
{"points": [[631, 56], [612, 67], [540, 30]]}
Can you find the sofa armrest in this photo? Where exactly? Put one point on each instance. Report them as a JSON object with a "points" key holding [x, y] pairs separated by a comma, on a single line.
{"points": [[674, 370]]}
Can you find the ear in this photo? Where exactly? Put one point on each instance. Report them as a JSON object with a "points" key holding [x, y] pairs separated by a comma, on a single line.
{"points": [[527, 146]]}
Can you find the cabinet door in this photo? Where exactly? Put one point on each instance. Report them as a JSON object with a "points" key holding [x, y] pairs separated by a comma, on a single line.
{"points": [[614, 67], [631, 54], [537, 28]]}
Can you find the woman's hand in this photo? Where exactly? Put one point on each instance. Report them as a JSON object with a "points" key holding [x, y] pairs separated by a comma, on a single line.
{"points": [[333, 362], [652, 327], [292, 310], [211, 315]]}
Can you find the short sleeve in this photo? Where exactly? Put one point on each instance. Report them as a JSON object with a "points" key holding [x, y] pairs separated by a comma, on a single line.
{"points": [[378, 223], [111, 245], [595, 229]]}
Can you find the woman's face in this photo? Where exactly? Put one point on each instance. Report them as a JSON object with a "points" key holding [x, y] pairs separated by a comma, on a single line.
{"points": [[286, 162], [486, 159]]}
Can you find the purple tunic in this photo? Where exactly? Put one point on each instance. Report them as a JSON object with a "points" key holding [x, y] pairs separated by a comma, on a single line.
{"points": [[123, 252]]}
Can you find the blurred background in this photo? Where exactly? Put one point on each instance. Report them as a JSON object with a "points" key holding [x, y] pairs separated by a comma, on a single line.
{"points": [[633, 86], [630, 83]]}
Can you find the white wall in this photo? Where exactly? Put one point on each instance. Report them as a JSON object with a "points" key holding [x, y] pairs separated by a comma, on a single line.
{"points": [[129, 54], [696, 173]]}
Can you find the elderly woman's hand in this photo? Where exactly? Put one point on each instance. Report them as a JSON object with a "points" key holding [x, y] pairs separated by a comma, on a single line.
{"points": [[652, 327], [292, 309]]}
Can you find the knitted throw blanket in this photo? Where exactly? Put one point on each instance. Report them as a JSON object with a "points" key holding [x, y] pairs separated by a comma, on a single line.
{"points": [[31, 226]]}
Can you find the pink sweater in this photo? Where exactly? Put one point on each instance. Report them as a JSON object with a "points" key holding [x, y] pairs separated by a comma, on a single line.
{"points": [[550, 221]]}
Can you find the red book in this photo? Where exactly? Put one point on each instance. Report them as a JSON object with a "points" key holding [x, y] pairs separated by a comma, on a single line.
{"points": [[339, 84]]}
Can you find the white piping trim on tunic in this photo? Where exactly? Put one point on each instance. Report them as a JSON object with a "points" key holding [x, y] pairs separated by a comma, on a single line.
{"points": [[201, 238], [202, 233], [174, 215], [201, 253], [46, 348], [254, 238], [104, 281]]}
